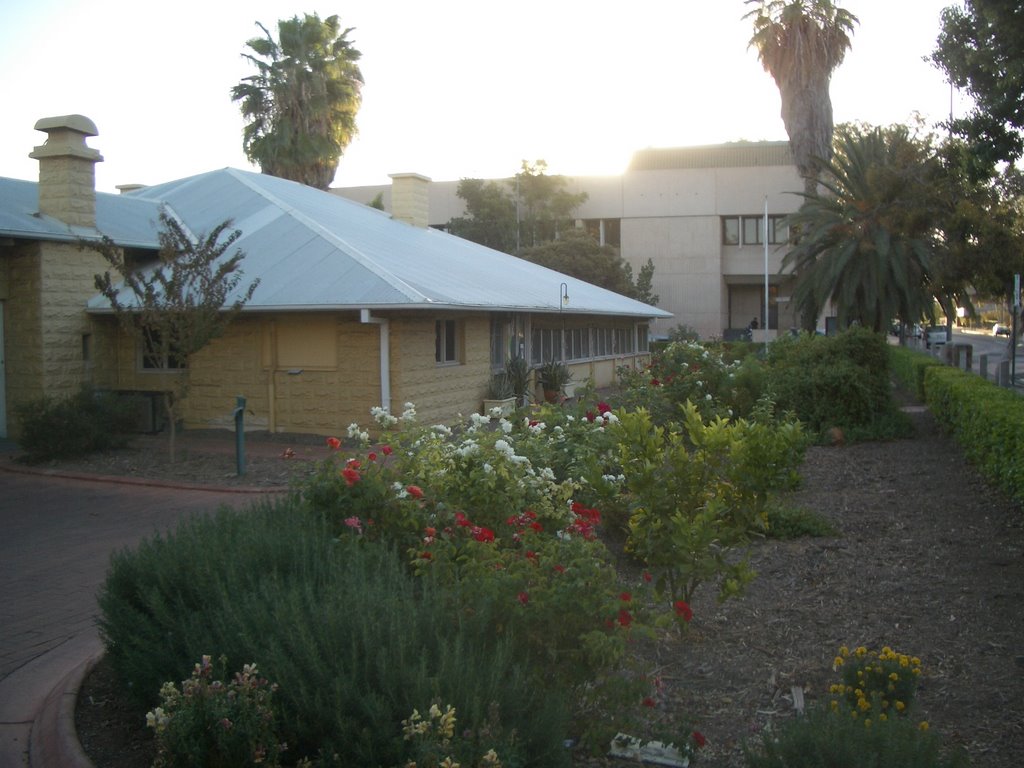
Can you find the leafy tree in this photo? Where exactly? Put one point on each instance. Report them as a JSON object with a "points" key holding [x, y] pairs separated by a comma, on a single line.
{"points": [[302, 102], [644, 288], [528, 210], [980, 48], [983, 233], [800, 43], [178, 306], [547, 207], [866, 238], [491, 219], [577, 253]]}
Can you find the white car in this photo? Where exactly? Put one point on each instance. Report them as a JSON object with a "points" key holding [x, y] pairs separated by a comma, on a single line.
{"points": [[935, 335], [1000, 330]]}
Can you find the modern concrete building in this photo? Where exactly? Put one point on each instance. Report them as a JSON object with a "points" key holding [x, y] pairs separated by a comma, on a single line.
{"points": [[699, 214], [355, 308]]}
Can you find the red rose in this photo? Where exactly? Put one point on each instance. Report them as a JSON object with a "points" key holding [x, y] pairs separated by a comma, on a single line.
{"points": [[683, 610], [333, 443]]}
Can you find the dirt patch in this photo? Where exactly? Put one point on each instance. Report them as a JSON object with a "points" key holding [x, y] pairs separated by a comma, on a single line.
{"points": [[928, 559]]}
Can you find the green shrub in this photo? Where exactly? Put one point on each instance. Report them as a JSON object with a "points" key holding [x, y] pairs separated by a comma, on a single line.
{"points": [[85, 422], [823, 738], [216, 721], [987, 422], [353, 640], [833, 381]]}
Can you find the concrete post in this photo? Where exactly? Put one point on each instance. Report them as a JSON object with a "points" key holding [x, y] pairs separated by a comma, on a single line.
{"points": [[983, 366], [1003, 373]]}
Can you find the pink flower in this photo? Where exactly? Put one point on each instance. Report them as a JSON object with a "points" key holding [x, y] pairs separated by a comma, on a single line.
{"points": [[371, 456], [354, 522], [351, 476], [415, 491], [603, 407], [386, 450], [483, 534], [353, 464], [333, 443], [462, 520]]}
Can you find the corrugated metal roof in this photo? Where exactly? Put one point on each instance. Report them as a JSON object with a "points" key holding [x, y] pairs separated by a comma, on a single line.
{"points": [[314, 250], [131, 223], [740, 154]]}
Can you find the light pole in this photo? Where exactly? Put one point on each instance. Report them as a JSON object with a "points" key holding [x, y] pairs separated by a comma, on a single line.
{"points": [[563, 301]]}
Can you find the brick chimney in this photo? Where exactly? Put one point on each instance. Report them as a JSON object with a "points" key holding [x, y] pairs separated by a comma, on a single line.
{"points": [[410, 200], [67, 169]]}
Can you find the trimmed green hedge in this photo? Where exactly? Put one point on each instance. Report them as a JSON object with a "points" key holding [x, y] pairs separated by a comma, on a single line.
{"points": [[909, 366], [986, 420]]}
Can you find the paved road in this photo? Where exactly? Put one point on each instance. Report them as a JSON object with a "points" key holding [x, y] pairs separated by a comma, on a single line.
{"points": [[56, 542]]}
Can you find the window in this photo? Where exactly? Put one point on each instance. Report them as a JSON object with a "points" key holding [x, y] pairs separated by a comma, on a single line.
{"points": [[446, 342], [623, 341], [643, 338], [498, 333], [730, 230], [577, 344], [153, 356], [546, 345], [605, 231], [752, 230]]}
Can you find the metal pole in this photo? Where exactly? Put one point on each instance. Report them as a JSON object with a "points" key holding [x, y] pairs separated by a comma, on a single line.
{"points": [[765, 324]]}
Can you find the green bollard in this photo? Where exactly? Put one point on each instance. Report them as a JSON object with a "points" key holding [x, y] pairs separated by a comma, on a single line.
{"points": [[240, 435]]}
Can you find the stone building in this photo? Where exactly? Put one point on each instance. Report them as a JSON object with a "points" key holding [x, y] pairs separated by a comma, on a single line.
{"points": [[355, 308]]}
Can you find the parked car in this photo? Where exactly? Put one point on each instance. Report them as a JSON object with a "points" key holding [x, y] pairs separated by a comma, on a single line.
{"points": [[1000, 330], [935, 335]]}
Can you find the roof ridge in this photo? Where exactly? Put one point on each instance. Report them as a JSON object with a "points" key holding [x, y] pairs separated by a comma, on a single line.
{"points": [[365, 261]]}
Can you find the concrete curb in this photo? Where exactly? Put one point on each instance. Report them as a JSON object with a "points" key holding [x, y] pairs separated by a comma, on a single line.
{"points": [[54, 740], [10, 466]]}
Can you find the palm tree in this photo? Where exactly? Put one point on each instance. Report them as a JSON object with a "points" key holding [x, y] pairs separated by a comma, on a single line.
{"points": [[868, 233], [800, 43], [302, 102]]}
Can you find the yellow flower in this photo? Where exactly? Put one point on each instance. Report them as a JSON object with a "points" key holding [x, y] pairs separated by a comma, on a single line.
{"points": [[900, 706], [861, 651], [837, 662], [893, 676], [923, 726], [883, 717], [844, 651]]}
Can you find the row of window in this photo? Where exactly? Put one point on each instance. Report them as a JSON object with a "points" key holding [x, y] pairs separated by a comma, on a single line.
{"points": [[749, 230], [585, 343]]}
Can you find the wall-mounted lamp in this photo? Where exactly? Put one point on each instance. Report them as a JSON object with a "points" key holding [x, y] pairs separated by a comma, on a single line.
{"points": [[564, 297], [294, 371]]}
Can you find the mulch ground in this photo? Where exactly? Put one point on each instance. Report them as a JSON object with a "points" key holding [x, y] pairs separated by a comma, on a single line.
{"points": [[927, 559]]}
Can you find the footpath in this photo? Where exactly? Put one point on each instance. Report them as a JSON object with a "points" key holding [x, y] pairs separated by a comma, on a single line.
{"points": [[59, 533]]}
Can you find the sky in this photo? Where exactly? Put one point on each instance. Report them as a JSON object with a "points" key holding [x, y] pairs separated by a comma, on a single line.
{"points": [[453, 88]]}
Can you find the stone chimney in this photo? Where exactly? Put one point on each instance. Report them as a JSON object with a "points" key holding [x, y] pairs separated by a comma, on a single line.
{"points": [[67, 170], [410, 200]]}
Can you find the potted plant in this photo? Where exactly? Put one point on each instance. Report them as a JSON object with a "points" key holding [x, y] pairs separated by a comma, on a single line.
{"points": [[552, 378], [500, 395], [519, 372]]}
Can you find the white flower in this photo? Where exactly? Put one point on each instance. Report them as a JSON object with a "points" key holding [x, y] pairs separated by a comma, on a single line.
{"points": [[356, 434], [409, 414], [488, 468], [506, 426], [538, 428], [707, 396], [547, 473], [501, 446], [442, 429], [611, 418]]}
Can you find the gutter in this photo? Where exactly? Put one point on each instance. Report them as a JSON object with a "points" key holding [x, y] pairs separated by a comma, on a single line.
{"points": [[366, 317]]}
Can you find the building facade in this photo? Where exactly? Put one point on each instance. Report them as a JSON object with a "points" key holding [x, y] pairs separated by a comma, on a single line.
{"points": [[698, 213]]}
